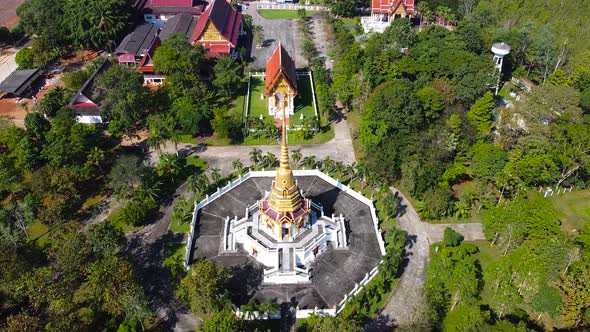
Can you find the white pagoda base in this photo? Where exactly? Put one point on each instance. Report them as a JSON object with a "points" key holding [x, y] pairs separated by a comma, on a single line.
{"points": [[286, 262]]}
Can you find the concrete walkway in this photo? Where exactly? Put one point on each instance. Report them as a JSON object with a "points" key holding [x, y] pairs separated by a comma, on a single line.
{"points": [[404, 306], [339, 148]]}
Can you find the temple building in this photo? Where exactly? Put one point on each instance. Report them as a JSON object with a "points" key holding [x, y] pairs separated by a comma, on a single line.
{"points": [[383, 12], [280, 83], [295, 237], [218, 29], [284, 230]]}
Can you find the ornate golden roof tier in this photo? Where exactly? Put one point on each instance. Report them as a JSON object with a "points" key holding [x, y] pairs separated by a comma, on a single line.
{"points": [[285, 203]]}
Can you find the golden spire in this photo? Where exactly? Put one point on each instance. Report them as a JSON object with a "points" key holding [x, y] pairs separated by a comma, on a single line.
{"points": [[285, 195], [284, 177]]}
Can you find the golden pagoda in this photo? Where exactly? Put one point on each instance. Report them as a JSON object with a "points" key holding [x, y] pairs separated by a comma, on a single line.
{"points": [[284, 211]]}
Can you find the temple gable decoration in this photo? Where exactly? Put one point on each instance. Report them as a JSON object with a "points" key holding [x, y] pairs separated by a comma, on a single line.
{"points": [[281, 83]]}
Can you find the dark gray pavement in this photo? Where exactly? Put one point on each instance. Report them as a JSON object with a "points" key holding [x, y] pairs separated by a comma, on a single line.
{"points": [[334, 272]]}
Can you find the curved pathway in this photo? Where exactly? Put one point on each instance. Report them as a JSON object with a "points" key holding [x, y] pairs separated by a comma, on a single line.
{"points": [[405, 303], [338, 148]]}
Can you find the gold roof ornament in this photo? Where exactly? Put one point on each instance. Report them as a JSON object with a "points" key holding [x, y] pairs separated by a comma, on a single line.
{"points": [[285, 204]]}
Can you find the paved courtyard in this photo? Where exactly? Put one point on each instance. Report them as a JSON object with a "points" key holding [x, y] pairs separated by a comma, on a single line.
{"points": [[335, 272], [275, 30]]}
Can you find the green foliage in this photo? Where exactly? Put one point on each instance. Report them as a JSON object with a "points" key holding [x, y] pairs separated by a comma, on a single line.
{"points": [[125, 99], [227, 125], [228, 78], [480, 113], [224, 320], [24, 58], [203, 289], [487, 162], [53, 101], [510, 224], [126, 176], [75, 79], [451, 238], [585, 100], [548, 299], [453, 280], [435, 203]]}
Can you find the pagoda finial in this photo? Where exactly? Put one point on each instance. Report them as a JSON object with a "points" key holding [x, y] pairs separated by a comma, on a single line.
{"points": [[284, 161]]}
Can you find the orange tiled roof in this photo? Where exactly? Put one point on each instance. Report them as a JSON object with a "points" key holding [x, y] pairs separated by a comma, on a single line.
{"points": [[280, 63]]}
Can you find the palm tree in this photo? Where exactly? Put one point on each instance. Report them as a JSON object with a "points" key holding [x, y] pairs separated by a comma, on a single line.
{"points": [[361, 170], [249, 308], [296, 155], [268, 307], [339, 168], [237, 165], [216, 175], [198, 183], [149, 193], [255, 156], [422, 8], [269, 159], [327, 164], [182, 211], [309, 162], [95, 157]]}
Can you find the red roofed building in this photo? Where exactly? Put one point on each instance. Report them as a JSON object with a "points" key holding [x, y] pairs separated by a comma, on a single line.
{"points": [[281, 83], [388, 10], [159, 11], [218, 29]]}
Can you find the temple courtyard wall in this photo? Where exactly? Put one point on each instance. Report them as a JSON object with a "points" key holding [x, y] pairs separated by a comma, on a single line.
{"points": [[336, 274]]}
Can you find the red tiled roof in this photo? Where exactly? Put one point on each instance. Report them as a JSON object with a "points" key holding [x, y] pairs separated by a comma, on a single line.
{"points": [[221, 49], [389, 6], [279, 63], [225, 19], [171, 3]]}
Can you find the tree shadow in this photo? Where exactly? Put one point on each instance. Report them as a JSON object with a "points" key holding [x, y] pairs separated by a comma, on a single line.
{"points": [[245, 281]]}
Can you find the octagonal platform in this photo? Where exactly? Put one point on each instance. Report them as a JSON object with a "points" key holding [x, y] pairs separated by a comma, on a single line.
{"points": [[335, 273]]}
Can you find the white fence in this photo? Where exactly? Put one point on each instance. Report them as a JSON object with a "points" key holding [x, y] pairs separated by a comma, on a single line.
{"points": [[261, 174], [274, 5]]}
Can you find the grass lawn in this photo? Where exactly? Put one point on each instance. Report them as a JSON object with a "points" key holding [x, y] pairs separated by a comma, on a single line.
{"points": [[177, 227], [187, 139], [573, 208], [196, 162], [39, 233], [117, 222], [288, 14], [172, 251], [354, 123], [322, 137], [303, 101]]}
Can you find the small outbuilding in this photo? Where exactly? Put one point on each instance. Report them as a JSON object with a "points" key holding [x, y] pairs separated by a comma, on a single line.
{"points": [[20, 83]]}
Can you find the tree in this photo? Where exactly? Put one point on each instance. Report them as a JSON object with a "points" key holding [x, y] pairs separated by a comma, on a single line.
{"points": [[169, 165], [480, 114], [126, 176], [228, 78], [198, 183], [575, 293], [547, 300], [258, 34], [224, 320], [435, 203], [296, 156], [345, 8], [255, 156], [216, 175], [125, 101], [431, 101], [204, 286], [237, 165], [487, 161], [53, 101], [452, 238], [24, 59], [97, 23]]}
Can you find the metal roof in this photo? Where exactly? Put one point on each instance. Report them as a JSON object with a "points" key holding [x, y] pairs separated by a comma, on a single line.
{"points": [[19, 81], [139, 41], [182, 23]]}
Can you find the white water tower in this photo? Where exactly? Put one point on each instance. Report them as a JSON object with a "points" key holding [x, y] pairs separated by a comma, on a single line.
{"points": [[500, 50]]}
